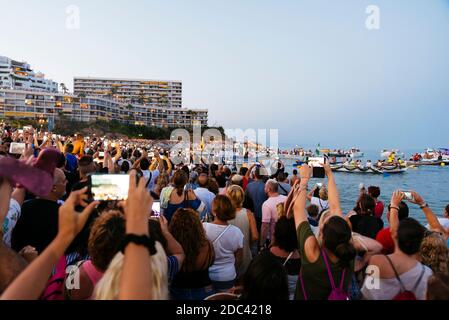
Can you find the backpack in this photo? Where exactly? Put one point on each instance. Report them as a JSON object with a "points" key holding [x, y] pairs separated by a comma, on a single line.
{"points": [[405, 294], [336, 293], [54, 289]]}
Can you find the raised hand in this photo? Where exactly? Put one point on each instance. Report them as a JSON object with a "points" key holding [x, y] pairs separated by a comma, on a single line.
{"points": [[138, 206], [396, 198], [417, 199], [72, 222], [305, 172]]}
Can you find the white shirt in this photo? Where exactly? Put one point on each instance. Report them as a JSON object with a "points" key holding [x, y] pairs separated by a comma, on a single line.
{"points": [[10, 221], [322, 204], [229, 242], [389, 288], [443, 221], [269, 212], [206, 196]]}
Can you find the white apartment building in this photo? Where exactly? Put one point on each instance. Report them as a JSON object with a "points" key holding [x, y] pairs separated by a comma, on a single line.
{"points": [[19, 75], [153, 93], [35, 105]]}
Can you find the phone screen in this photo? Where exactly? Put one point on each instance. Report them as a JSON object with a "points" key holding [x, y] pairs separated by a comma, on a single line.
{"points": [[156, 209], [408, 196], [17, 148], [101, 155], [316, 162], [108, 187]]}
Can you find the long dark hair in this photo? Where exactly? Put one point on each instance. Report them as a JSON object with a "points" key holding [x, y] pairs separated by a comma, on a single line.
{"points": [[180, 179], [337, 239], [265, 279], [365, 205]]}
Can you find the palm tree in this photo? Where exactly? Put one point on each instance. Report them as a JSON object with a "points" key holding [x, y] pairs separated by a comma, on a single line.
{"points": [[113, 91], [129, 107], [63, 88]]}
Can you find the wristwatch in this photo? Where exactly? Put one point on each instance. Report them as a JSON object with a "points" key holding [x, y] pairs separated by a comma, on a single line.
{"points": [[425, 205]]}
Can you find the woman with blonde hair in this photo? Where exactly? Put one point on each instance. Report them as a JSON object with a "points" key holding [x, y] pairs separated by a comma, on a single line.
{"points": [[108, 287], [245, 221], [434, 253]]}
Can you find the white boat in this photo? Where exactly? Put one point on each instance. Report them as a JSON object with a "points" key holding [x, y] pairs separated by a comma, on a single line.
{"points": [[387, 153], [355, 153]]}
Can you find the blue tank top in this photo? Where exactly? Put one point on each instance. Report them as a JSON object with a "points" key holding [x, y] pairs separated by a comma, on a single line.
{"points": [[171, 208]]}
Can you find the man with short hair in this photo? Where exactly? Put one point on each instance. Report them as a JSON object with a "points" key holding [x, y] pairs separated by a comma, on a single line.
{"points": [[269, 211], [256, 192], [203, 193], [284, 186]]}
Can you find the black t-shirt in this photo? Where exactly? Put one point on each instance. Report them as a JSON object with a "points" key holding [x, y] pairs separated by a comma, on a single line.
{"points": [[37, 225], [367, 226]]}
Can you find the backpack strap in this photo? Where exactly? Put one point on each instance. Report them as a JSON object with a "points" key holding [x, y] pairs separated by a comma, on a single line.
{"points": [[423, 269], [222, 233], [396, 274], [149, 180], [288, 258], [329, 273], [302, 285], [283, 189]]}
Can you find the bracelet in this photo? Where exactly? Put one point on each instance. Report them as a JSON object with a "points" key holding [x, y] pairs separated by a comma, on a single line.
{"points": [[394, 208], [425, 205], [141, 240]]}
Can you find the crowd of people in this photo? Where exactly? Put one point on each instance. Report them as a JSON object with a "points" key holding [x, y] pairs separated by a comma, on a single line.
{"points": [[221, 233]]}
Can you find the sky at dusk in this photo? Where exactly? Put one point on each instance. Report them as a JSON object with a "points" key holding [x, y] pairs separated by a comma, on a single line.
{"points": [[311, 69]]}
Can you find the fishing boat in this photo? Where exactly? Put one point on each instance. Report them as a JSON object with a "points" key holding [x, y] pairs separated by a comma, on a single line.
{"points": [[389, 169], [355, 153], [428, 162], [387, 153]]}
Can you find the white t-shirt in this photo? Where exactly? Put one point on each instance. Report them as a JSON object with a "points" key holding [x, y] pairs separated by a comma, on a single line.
{"points": [[10, 221], [269, 211], [227, 244], [389, 288], [323, 205], [443, 221], [206, 196]]}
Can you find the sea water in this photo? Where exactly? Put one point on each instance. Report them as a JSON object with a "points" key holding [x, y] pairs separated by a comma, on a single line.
{"points": [[431, 182]]}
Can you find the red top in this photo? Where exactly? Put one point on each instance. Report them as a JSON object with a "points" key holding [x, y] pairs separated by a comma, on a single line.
{"points": [[379, 209], [385, 239]]}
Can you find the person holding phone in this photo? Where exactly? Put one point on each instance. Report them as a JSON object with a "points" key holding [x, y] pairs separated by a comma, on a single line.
{"points": [[321, 201]]}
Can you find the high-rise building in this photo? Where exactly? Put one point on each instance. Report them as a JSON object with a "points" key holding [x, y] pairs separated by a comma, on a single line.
{"points": [[20, 76], [21, 104], [153, 93]]}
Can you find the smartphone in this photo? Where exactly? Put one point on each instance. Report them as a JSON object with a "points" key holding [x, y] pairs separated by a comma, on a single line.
{"points": [[101, 155], [408, 196], [317, 167], [156, 209], [108, 187], [17, 148]]}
